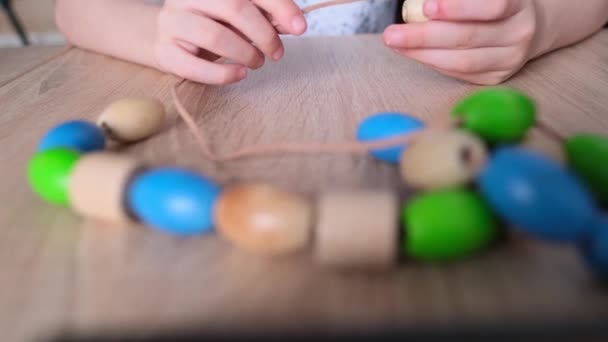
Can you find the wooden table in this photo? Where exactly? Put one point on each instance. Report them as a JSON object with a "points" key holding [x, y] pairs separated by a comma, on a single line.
{"points": [[60, 273]]}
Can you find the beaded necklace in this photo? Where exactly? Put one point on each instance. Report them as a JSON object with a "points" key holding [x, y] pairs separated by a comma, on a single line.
{"points": [[491, 161]]}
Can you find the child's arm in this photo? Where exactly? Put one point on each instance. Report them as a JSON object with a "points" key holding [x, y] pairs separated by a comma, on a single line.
{"points": [[487, 41], [183, 37]]}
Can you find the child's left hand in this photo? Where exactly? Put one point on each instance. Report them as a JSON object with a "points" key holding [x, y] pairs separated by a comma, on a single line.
{"points": [[480, 41]]}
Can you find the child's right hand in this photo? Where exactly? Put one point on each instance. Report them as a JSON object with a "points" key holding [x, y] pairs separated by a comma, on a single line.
{"points": [[193, 33]]}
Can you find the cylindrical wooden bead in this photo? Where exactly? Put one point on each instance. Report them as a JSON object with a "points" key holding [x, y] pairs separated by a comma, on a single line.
{"points": [[132, 119], [413, 11], [263, 219], [540, 142], [357, 230], [97, 186], [443, 159]]}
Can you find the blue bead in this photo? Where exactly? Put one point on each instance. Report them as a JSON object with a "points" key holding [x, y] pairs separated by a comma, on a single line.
{"points": [[174, 201], [537, 196], [81, 136], [595, 248], [386, 125]]}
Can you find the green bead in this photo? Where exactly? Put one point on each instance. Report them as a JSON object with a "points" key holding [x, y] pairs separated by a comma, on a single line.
{"points": [[588, 157], [447, 224], [48, 174], [498, 115]]}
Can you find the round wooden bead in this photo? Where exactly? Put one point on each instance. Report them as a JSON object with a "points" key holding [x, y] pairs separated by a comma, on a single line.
{"points": [[413, 11], [48, 173], [537, 196], [498, 115], [97, 186], [443, 159], [357, 230], [78, 135], [541, 143], [263, 219], [132, 119]]}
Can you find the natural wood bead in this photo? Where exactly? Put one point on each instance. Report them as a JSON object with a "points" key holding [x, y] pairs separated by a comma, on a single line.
{"points": [[263, 219], [357, 230], [442, 159], [97, 184], [540, 142], [413, 11], [132, 119]]}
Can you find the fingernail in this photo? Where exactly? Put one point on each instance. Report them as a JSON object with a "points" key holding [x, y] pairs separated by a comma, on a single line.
{"points": [[395, 38], [278, 54], [431, 7], [298, 24], [242, 73]]}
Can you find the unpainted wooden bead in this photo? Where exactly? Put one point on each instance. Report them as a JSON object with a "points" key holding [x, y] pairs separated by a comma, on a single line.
{"points": [[132, 119], [263, 219], [540, 142], [443, 159], [413, 11], [357, 229], [97, 186]]}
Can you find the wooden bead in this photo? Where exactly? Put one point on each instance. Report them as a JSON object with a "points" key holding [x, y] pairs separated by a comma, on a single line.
{"points": [[97, 186], [413, 11], [132, 119], [357, 230], [263, 219], [443, 159], [540, 142]]}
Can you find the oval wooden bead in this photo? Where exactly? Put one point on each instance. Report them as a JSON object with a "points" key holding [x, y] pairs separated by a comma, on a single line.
{"points": [[443, 159], [97, 186], [357, 230], [413, 11], [132, 119], [263, 219], [541, 143]]}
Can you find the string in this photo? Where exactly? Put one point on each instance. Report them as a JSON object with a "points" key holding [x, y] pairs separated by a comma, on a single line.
{"points": [[202, 139]]}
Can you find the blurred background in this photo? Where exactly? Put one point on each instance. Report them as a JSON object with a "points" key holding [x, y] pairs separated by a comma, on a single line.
{"points": [[33, 17]]}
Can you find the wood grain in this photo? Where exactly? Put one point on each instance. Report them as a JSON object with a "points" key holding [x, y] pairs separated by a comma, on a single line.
{"points": [[15, 61], [62, 273]]}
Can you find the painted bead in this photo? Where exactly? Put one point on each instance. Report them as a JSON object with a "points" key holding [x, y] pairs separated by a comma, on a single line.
{"points": [[541, 143], [498, 115], [595, 248], [97, 186], [413, 11], [48, 174], [175, 201], [536, 195], [447, 224], [132, 119], [357, 230], [443, 159], [387, 125], [78, 135], [588, 156], [263, 219]]}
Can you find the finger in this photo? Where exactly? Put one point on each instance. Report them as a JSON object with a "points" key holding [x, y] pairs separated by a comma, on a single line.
{"points": [[245, 17], [195, 69], [286, 13], [463, 61], [216, 38], [491, 78], [447, 35], [469, 10]]}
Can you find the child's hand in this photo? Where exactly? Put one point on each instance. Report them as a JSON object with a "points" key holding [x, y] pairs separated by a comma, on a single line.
{"points": [[193, 33], [479, 41]]}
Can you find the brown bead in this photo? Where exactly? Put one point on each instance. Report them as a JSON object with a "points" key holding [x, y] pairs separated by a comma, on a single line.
{"points": [[264, 219], [540, 142], [132, 119], [413, 11], [442, 159], [97, 185], [357, 230]]}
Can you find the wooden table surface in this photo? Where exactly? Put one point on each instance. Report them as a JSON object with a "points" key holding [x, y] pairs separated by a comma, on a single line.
{"points": [[62, 273]]}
